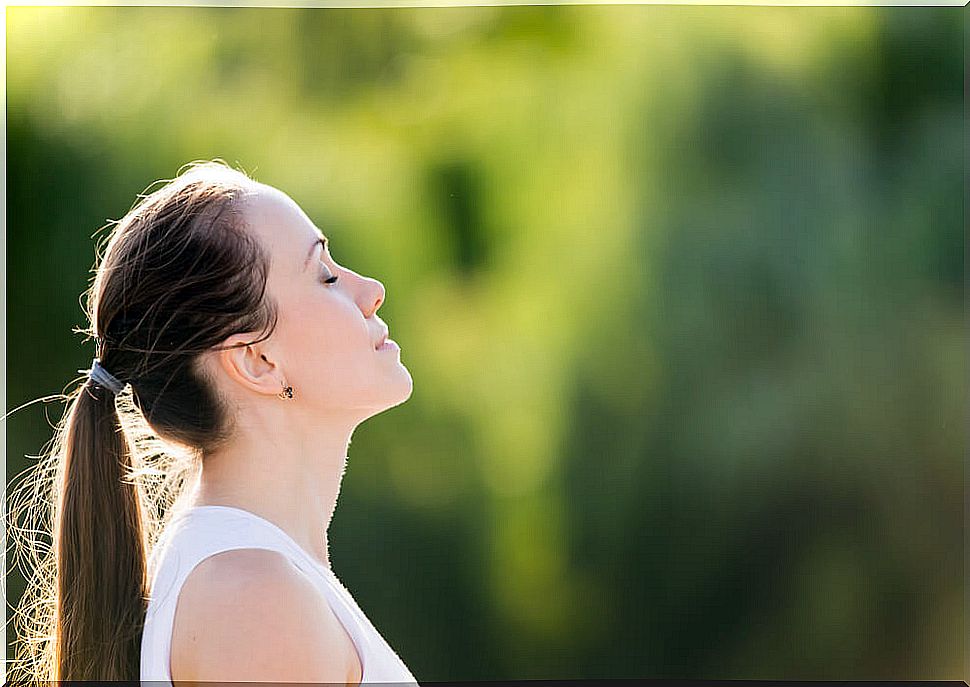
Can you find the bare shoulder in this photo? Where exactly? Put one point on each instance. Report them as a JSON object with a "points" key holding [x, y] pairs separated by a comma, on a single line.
{"points": [[249, 615]]}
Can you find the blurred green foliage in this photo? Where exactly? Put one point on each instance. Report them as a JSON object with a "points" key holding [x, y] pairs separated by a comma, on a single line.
{"points": [[680, 289]]}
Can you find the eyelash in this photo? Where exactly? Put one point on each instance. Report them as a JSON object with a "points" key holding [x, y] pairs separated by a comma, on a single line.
{"points": [[330, 280]]}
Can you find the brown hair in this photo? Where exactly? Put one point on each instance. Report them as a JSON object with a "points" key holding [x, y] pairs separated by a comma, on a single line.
{"points": [[180, 273]]}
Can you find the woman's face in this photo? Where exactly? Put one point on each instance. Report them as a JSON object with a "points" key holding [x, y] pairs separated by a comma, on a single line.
{"points": [[328, 330]]}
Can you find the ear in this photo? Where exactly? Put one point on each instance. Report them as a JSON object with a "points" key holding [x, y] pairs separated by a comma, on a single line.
{"points": [[250, 365]]}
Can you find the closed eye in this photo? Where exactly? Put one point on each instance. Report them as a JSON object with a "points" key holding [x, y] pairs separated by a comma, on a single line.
{"points": [[331, 279]]}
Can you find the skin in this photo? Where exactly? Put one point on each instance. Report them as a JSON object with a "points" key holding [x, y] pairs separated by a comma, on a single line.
{"points": [[287, 457]]}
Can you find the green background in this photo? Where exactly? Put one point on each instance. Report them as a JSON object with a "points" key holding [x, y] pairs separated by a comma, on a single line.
{"points": [[680, 288]]}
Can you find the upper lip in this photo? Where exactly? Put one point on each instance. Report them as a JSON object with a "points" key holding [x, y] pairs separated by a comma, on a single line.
{"points": [[380, 341]]}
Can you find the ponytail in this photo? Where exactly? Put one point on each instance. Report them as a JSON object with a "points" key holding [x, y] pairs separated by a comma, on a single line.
{"points": [[180, 273], [100, 547]]}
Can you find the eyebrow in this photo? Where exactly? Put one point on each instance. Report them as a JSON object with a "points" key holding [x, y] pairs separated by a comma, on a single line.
{"points": [[321, 241]]}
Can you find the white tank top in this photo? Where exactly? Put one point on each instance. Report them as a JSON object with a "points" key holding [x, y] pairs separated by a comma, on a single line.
{"points": [[202, 531]]}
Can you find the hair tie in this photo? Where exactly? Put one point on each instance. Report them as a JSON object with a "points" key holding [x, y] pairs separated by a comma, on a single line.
{"points": [[103, 378]]}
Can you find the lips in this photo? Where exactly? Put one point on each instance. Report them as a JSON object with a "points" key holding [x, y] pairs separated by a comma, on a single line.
{"points": [[380, 342]]}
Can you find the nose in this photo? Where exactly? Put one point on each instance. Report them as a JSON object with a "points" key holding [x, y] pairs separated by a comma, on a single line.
{"points": [[372, 296]]}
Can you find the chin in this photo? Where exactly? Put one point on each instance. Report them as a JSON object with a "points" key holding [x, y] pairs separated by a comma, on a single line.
{"points": [[406, 391], [394, 394], [403, 387]]}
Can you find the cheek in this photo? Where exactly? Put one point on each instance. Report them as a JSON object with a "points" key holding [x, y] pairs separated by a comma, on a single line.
{"points": [[333, 338]]}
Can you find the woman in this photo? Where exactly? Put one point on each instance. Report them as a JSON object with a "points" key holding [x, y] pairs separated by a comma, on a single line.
{"points": [[227, 329]]}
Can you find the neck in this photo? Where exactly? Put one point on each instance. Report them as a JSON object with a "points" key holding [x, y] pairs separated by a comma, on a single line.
{"points": [[292, 481]]}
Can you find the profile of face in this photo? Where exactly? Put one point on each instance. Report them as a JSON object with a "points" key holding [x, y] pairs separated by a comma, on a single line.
{"points": [[325, 344]]}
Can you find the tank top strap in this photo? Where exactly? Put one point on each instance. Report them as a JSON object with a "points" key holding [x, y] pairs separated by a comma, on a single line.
{"points": [[188, 539], [203, 531]]}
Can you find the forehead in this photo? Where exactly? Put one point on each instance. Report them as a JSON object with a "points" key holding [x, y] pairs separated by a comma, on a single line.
{"points": [[281, 224]]}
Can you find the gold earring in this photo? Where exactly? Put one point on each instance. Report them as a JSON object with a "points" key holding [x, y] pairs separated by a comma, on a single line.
{"points": [[287, 392]]}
